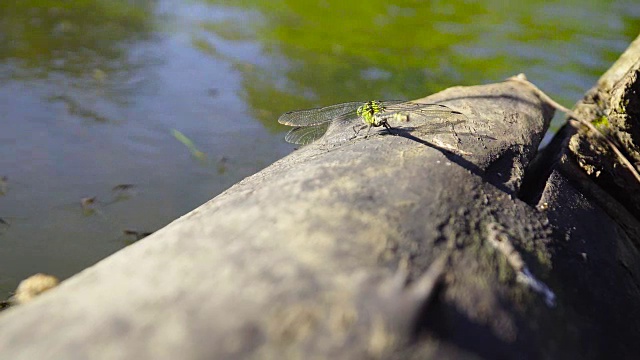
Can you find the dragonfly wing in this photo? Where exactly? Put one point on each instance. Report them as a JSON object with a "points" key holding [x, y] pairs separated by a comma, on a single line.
{"points": [[346, 118], [424, 111], [311, 117], [391, 103], [303, 135]]}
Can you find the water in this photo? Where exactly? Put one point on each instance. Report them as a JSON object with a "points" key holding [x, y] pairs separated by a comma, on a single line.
{"points": [[91, 92]]}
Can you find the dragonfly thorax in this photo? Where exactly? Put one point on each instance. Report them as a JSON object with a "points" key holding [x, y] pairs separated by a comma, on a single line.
{"points": [[368, 111]]}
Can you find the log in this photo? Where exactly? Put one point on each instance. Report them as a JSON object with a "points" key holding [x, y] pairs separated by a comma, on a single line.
{"points": [[613, 105], [445, 239]]}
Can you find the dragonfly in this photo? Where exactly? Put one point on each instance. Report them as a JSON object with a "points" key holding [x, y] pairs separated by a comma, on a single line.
{"points": [[311, 124]]}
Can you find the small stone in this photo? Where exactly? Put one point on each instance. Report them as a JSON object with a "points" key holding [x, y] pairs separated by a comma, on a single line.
{"points": [[33, 286]]}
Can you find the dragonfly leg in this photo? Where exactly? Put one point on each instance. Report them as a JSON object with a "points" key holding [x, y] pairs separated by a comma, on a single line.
{"points": [[368, 130], [356, 130], [386, 126]]}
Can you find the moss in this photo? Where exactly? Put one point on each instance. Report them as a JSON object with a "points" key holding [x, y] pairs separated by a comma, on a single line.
{"points": [[601, 122], [505, 271], [543, 257]]}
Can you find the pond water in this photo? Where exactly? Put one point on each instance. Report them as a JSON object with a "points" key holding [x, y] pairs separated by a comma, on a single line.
{"points": [[181, 98]]}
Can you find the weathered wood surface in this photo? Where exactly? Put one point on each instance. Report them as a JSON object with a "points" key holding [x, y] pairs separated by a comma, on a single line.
{"points": [[615, 104], [439, 241], [597, 207]]}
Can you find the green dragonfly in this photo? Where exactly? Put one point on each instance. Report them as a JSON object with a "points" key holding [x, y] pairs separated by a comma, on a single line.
{"points": [[311, 124]]}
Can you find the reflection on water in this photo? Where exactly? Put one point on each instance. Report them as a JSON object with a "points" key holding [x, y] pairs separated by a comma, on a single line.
{"points": [[152, 107], [80, 47], [319, 53], [90, 92]]}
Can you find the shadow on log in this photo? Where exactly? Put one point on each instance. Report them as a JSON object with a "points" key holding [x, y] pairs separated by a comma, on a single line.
{"points": [[444, 240]]}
